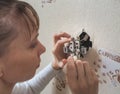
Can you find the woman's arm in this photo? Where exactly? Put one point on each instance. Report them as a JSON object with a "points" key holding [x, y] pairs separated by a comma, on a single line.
{"points": [[37, 83]]}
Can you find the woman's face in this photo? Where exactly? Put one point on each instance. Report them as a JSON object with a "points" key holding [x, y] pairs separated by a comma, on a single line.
{"points": [[22, 59]]}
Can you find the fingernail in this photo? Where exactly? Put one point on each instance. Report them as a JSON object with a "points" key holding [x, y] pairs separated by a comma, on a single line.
{"points": [[64, 61]]}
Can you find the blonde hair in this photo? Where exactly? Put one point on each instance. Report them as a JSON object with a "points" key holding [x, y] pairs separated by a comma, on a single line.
{"points": [[15, 9]]}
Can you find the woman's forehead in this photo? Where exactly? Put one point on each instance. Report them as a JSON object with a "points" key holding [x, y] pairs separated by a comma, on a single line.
{"points": [[27, 35], [28, 20], [34, 35], [26, 28]]}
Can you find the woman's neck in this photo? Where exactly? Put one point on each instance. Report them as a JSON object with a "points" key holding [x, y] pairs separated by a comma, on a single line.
{"points": [[5, 88]]}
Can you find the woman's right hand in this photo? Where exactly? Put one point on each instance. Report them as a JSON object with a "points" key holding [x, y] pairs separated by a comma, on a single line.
{"points": [[81, 78]]}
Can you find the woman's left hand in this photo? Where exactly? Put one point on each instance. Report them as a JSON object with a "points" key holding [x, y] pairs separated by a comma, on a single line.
{"points": [[59, 55]]}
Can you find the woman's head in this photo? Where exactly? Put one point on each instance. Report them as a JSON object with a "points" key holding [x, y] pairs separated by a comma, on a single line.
{"points": [[12, 14], [19, 46]]}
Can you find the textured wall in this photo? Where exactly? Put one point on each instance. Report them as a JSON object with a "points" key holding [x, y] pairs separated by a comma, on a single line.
{"points": [[100, 18]]}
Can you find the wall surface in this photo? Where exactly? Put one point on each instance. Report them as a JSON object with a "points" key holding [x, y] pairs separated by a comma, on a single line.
{"points": [[100, 19]]}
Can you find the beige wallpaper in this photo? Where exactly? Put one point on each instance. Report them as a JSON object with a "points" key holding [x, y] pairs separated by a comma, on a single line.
{"points": [[101, 20]]}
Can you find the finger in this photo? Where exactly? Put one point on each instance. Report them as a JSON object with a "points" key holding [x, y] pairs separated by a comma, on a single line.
{"points": [[65, 40], [70, 59], [81, 77], [62, 63], [96, 81], [88, 72], [80, 70], [62, 34], [95, 78], [61, 42], [65, 61], [71, 72]]}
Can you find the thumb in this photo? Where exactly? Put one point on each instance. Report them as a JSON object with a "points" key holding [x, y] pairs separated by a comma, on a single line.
{"points": [[59, 65], [62, 63]]}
